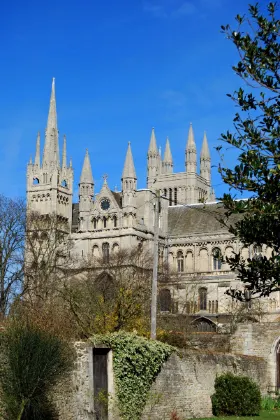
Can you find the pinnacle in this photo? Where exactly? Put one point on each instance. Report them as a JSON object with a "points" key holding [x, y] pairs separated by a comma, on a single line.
{"points": [[167, 153], [191, 141], [129, 169], [51, 148], [86, 175], [205, 153], [37, 155], [153, 143]]}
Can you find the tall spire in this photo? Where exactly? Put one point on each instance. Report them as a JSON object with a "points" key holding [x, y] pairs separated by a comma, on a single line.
{"points": [[37, 155], [86, 175], [190, 152], [205, 160], [167, 164], [153, 143], [64, 157], [129, 169], [205, 154], [51, 149], [167, 152], [191, 142]]}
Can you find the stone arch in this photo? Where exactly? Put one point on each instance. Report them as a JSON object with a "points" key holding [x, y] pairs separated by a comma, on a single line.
{"points": [[189, 261], [274, 364], [95, 251], [203, 324], [36, 181], [203, 260], [115, 247]]}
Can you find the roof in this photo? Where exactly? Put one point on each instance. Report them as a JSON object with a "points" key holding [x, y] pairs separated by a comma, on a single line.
{"points": [[198, 219]]}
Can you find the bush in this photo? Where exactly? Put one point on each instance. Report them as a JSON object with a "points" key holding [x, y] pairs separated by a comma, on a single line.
{"points": [[236, 395], [32, 362]]}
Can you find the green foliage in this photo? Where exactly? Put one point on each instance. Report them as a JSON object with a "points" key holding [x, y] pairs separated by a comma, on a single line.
{"points": [[268, 403], [136, 363], [31, 363], [257, 141], [236, 395]]}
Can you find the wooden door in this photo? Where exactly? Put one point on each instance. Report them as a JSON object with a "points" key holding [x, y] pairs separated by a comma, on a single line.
{"points": [[100, 383]]}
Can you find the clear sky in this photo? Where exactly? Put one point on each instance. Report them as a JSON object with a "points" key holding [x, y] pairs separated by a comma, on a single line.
{"points": [[121, 67]]}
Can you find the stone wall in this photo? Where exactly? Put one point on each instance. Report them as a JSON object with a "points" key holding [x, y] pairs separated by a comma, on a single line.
{"points": [[258, 339], [185, 383]]}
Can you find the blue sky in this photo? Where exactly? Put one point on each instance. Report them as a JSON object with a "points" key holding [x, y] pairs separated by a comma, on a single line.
{"points": [[121, 67]]}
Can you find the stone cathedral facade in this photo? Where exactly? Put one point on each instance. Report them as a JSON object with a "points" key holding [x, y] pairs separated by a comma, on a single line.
{"points": [[102, 222]]}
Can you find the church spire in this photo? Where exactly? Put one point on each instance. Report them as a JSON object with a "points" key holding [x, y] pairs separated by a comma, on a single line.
{"points": [[153, 160], [86, 175], [51, 149], [205, 154], [167, 163], [205, 160], [153, 143], [129, 169], [37, 155], [64, 157], [190, 152]]}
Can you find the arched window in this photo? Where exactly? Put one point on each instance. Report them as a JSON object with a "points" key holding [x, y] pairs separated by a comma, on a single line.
{"points": [[64, 184], [115, 220], [105, 252], [165, 300], [165, 192], [217, 259], [202, 292], [95, 251], [94, 221], [35, 181], [170, 196], [116, 248], [257, 251], [104, 222], [180, 261]]}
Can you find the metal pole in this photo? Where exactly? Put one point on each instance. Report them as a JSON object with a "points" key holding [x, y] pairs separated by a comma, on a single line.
{"points": [[155, 268]]}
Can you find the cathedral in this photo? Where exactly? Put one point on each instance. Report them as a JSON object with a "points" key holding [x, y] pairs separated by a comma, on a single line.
{"points": [[191, 238]]}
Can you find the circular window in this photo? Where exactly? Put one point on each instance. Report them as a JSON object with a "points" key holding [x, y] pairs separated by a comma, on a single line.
{"points": [[105, 204]]}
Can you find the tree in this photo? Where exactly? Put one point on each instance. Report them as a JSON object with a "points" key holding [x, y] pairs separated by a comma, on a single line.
{"points": [[49, 256], [257, 140], [12, 232], [112, 294], [32, 361]]}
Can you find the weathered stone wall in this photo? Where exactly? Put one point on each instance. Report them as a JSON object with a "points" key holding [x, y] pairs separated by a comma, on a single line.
{"points": [[185, 384], [258, 339]]}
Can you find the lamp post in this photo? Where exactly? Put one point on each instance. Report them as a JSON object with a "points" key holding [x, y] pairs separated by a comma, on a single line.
{"points": [[155, 267]]}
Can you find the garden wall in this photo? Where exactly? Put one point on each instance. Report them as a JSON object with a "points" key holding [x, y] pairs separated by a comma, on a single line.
{"points": [[185, 383]]}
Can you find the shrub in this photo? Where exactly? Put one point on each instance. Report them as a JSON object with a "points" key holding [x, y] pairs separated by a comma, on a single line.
{"points": [[236, 395], [32, 362]]}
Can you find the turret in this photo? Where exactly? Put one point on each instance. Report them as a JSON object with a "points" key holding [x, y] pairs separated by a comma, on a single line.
{"points": [[129, 180], [190, 153], [153, 160], [167, 164], [205, 161]]}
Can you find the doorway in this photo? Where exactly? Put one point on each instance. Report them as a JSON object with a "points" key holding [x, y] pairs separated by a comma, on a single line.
{"points": [[100, 382]]}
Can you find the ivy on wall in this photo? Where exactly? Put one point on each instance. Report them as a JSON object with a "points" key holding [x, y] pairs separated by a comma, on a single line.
{"points": [[136, 363]]}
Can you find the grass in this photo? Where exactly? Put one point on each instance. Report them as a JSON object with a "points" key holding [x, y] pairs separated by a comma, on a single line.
{"points": [[264, 415]]}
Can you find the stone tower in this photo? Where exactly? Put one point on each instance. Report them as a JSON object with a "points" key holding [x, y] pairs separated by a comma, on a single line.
{"points": [[49, 184]]}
